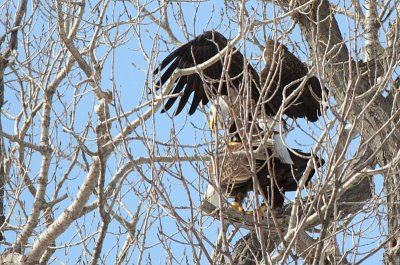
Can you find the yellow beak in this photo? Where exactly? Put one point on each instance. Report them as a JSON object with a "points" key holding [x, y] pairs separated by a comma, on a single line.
{"points": [[213, 122]]}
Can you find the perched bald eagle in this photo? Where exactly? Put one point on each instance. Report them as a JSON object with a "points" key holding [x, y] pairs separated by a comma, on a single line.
{"points": [[274, 177], [240, 95]]}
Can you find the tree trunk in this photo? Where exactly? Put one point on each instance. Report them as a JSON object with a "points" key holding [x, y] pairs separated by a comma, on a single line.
{"points": [[392, 249]]}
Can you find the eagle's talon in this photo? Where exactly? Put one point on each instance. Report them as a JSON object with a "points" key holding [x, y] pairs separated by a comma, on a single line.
{"points": [[237, 206], [262, 210], [233, 144]]}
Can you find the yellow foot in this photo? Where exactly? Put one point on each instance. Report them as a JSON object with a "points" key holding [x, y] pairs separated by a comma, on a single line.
{"points": [[237, 206], [262, 210], [234, 144]]}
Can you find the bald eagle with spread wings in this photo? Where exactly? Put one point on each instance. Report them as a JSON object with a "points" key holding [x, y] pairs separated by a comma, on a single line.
{"points": [[240, 97]]}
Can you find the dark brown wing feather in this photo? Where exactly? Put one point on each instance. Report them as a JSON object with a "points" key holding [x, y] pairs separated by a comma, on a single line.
{"points": [[197, 51], [282, 68]]}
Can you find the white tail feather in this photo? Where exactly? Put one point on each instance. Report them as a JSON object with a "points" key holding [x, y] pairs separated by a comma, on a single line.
{"points": [[212, 196], [281, 150]]}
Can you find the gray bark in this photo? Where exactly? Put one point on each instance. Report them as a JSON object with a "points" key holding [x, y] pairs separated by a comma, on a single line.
{"points": [[380, 138]]}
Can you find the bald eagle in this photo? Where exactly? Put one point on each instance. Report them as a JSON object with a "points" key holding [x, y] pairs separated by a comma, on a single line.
{"points": [[235, 177], [236, 76], [243, 97]]}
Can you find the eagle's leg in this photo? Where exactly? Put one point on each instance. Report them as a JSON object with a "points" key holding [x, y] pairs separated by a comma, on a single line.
{"points": [[238, 201]]}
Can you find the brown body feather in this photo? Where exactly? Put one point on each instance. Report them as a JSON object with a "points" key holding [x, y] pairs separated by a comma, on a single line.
{"points": [[275, 178]]}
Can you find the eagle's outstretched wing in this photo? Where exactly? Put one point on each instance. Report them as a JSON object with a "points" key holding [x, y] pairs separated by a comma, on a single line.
{"points": [[215, 78], [284, 69]]}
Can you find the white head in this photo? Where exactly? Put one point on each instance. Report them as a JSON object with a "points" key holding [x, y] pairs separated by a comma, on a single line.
{"points": [[219, 112]]}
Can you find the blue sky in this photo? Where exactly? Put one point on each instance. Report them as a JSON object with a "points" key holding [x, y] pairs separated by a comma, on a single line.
{"points": [[128, 73]]}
